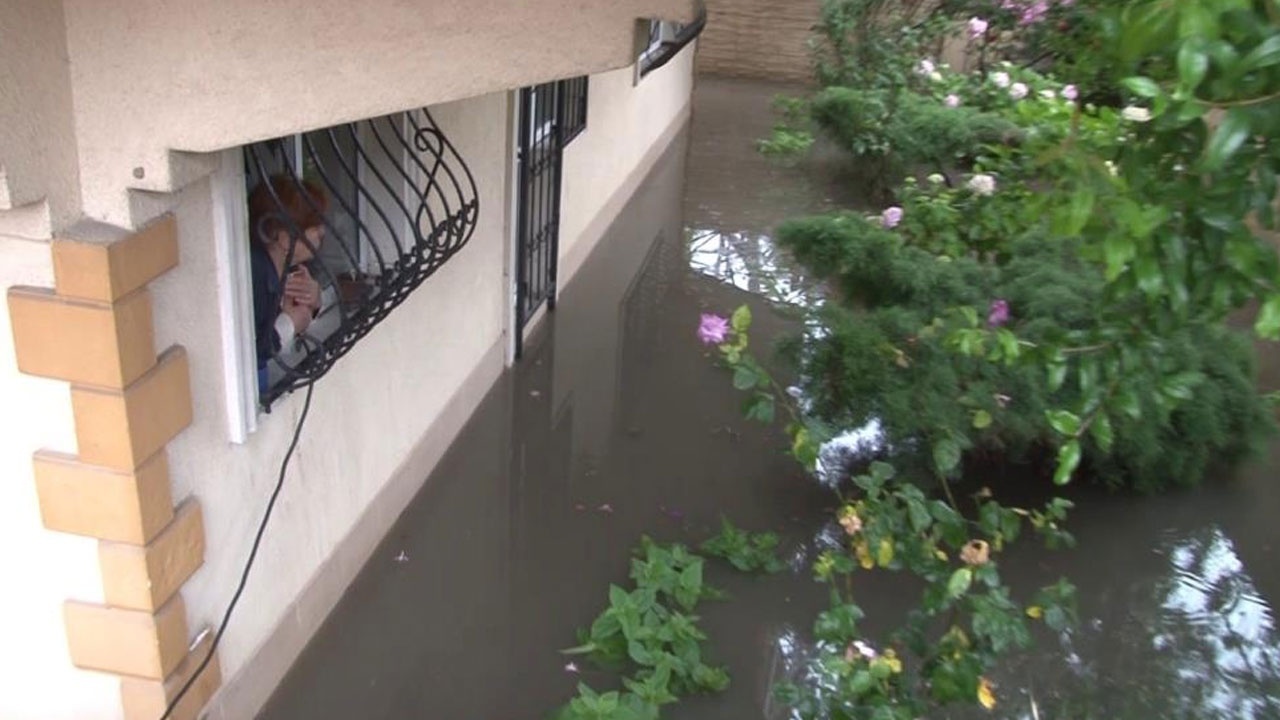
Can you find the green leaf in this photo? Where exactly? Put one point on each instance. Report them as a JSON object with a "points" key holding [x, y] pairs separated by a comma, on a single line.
{"points": [[1102, 431], [1118, 251], [1147, 269], [1266, 54], [959, 583], [982, 419], [1063, 422], [1227, 139], [741, 320], [1182, 385], [744, 378], [1128, 402], [1068, 461], [1193, 65], [946, 456], [1142, 86], [1268, 324]]}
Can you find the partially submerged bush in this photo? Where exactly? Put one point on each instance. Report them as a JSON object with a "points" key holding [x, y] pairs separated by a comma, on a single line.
{"points": [[881, 357]]}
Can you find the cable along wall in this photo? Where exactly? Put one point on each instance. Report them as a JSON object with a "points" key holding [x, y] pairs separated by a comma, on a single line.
{"points": [[370, 209]]}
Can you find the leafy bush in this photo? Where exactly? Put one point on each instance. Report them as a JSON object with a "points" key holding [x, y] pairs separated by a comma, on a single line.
{"points": [[1192, 399], [906, 129]]}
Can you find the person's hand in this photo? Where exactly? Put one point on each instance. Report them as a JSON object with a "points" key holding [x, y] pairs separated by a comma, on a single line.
{"points": [[302, 289], [300, 315]]}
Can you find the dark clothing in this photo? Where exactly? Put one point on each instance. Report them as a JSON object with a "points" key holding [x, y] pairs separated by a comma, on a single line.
{"points": [[268, 292]]}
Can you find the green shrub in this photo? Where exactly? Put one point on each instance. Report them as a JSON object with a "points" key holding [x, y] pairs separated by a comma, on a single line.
{"points": [[880, 358], [906, 129]]}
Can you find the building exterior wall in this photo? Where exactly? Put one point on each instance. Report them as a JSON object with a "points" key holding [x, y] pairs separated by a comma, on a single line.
{"points": [[204, 76], [39, 176], [761, 39], [96, 96], [626, 120], [42, 568]]}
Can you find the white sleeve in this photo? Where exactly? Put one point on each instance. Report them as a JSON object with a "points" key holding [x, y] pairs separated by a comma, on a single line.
{"points": [[284, 330]]}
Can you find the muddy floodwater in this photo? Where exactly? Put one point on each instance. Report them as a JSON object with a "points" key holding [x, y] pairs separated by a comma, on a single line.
{"points": [[617, 423]]}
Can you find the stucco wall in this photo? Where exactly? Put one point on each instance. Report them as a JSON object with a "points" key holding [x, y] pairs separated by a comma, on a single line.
{"points": [[624, 121], [762, 39], [367, 413], [291, 65], [37, 138], [41, 569]]}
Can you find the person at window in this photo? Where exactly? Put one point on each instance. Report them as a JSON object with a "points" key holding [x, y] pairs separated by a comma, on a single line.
{"points": [[286, 222]]}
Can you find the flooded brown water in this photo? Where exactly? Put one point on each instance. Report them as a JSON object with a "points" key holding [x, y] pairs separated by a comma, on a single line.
{"points": [[618, 424]]}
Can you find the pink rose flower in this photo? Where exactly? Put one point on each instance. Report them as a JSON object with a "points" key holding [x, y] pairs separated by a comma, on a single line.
{"points": [[713, 329]]}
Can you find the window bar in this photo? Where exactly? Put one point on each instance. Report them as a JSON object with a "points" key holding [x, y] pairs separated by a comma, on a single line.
{"points": [[419, 251]]}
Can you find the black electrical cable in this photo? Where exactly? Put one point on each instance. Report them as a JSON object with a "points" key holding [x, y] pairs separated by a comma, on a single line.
{"points": [[253, 553]]}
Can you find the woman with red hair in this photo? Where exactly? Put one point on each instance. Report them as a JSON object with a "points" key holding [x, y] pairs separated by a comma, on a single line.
{"points": [[286, 224]]}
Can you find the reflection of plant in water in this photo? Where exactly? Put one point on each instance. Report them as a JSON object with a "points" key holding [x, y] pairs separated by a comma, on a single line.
{"points": [[967, 616], [750, 262]]}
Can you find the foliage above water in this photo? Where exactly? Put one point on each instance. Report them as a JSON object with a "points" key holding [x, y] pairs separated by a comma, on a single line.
{"points": [[649, 630]]}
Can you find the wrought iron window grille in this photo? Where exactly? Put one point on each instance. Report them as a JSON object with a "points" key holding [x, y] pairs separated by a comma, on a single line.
{"points": [[395, 201], [573, 93]]}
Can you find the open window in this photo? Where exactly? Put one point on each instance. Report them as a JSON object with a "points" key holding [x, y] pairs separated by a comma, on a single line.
{"points": [[666, 39], [337, 227]]}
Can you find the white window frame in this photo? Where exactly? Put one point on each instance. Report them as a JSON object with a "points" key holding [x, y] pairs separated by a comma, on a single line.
{"points": [[235, 296]]}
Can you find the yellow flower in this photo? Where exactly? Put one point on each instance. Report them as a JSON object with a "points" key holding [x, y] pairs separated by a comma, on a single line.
{"points": [[1034, 612], [985, 695], [891, 658], [885, 554], [864, 555]]}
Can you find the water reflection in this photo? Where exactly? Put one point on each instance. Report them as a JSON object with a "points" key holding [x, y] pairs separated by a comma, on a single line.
{"points": [[751, 262]]}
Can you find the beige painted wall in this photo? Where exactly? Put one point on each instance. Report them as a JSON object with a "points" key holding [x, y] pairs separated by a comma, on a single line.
{"points": [[762, 39], [38, 171], [199, 76], [40, 569], [367, 414], [624, 120]]}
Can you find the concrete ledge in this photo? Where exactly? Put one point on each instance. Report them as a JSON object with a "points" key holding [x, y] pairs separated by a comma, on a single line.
{"points": [[145, 577], [98, 266], [89, 343], [127, 642], [84, 499], [147, 699], [120, 429], [248, 690]]}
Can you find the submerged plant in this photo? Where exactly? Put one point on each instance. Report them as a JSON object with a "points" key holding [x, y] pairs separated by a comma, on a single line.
{"points": [[748, 552]]}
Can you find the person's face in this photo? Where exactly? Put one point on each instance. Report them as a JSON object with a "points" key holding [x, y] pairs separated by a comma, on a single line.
{"points": [[302, 251]]}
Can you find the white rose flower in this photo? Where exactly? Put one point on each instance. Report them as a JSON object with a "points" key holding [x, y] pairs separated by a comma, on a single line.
{"points": [[1001, 79], [1017, 91], [1048, 94], [982, 184], [926, 67], [936, 179], [1111, 168], [1136, 114]]}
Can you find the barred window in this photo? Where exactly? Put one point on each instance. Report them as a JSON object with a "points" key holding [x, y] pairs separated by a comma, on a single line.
{"points": [[343, 224], [574, 96]]}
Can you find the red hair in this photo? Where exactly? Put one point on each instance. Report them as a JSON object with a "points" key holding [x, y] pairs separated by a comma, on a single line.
{"points": [[283, 203]]}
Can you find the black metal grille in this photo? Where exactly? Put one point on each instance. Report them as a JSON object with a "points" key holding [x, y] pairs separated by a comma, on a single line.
{"points": [[538, 244], [574, 93], [401, 202]]}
